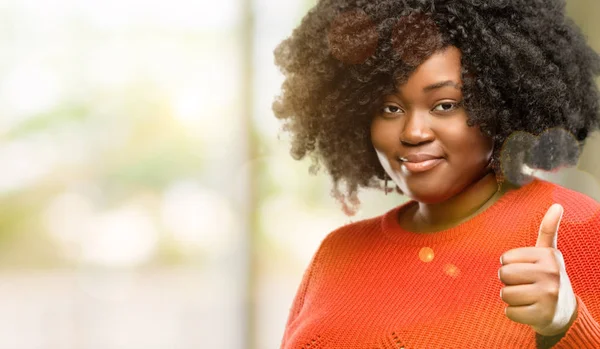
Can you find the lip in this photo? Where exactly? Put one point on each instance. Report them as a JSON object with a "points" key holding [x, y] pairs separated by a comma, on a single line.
{"points": [[418, 157], [421, 166], [420, 162]]}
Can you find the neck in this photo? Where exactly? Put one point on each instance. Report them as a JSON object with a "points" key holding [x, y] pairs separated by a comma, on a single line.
{"points": [[471, 201]]}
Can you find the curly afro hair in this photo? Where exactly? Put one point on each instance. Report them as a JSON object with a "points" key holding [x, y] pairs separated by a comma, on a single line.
{"points": [[526, 68]]}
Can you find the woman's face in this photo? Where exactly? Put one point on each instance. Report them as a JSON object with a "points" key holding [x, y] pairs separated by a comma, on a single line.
{"points": [[421, 135]]}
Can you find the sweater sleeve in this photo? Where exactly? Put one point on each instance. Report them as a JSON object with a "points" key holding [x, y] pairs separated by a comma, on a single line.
{"points": [[298, 301], [579, 242]]}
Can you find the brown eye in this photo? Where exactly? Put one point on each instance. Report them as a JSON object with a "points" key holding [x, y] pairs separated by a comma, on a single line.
{"points": [[391, 109], [446, 107]]}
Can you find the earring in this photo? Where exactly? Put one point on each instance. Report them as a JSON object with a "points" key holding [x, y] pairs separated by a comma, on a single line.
{"points": [[385, 183], [386, 189], [385, 180], [494, 165]]}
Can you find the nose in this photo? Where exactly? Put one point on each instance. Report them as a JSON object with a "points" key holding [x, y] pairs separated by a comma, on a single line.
{"points": [[416, 130]]}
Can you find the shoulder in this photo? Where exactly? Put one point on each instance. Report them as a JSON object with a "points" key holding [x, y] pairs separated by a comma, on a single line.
{"points": [[352, 238], [539, 195], [354, 230], [579, 230], [530, 203], [578, 207]]}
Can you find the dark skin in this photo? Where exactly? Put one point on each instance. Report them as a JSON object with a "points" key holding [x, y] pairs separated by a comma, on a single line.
{"points": [[475, 199], [426, 116], [423, 142]]}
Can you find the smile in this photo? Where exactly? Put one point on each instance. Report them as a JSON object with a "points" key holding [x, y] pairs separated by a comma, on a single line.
{"points": [[421, 166]]}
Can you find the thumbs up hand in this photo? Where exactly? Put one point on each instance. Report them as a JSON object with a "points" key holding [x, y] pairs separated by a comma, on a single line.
{"points": [[538, 291]]}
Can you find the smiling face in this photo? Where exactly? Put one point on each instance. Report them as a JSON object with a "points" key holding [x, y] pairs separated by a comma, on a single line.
{"points": [[421, 134]]}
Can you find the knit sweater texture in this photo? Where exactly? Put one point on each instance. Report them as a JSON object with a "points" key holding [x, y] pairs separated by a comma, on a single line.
{"points": [[373, 285]]}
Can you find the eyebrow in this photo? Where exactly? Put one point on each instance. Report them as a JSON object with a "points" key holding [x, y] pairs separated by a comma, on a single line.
{"points": [[440, 85]]}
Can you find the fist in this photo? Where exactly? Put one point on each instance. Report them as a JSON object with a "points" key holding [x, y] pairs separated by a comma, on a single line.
{"points": [[537, 288]]}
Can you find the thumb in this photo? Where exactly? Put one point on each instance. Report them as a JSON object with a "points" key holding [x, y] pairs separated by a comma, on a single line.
{"points": [[549, 227]]}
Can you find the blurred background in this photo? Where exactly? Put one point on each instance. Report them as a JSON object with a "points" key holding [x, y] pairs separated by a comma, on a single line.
{"points": [[147, 197]]}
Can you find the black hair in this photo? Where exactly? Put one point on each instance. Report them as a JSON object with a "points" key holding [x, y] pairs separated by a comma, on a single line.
{"points": [[525, 67]]}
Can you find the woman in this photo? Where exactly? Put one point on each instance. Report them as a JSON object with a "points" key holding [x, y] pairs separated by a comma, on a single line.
{"points": [[450, 100]]}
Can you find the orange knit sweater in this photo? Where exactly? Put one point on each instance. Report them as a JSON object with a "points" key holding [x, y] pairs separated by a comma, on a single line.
{"points": [[373, 285]]}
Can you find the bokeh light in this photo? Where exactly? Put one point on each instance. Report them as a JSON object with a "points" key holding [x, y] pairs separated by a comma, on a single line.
{"points": [[132, 134], [451, 270], [426, 254]]}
